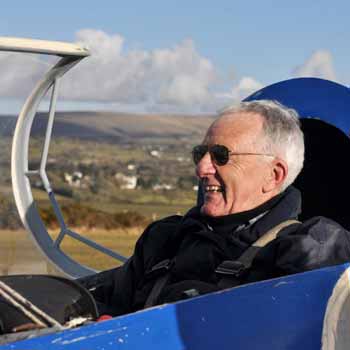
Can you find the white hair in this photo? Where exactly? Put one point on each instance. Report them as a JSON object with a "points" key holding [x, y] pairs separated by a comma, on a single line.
{"points": [[282, 133]]}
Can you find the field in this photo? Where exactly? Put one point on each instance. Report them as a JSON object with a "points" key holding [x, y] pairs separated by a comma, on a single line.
{"points": [[19, 254], [119, 240]]}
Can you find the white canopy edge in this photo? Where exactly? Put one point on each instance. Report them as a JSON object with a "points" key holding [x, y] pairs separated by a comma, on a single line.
{"points": [[336, 323], [42, 47]]}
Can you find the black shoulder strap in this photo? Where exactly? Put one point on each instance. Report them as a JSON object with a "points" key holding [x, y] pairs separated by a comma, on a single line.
{"points": [[162, 269], [232, 271], [156, 290]]}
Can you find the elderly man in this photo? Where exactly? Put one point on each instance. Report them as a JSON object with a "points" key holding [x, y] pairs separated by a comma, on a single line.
{"points": [[246, 164]]}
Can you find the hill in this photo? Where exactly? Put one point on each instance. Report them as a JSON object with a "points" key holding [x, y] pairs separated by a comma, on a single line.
{"points": [[118, 127]]}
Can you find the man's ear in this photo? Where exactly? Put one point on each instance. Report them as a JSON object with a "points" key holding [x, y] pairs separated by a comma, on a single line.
{"points": [[277, 175]]}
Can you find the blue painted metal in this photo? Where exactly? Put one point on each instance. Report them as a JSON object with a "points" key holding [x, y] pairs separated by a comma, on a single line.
{"points": [[312, 97], [285, 313]]}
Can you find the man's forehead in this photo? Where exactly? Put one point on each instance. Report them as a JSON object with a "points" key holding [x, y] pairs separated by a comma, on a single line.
{"points": [[236, 124]]}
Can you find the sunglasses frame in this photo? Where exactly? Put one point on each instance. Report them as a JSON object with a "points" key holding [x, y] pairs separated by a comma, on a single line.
{"points": [[214, 155]]}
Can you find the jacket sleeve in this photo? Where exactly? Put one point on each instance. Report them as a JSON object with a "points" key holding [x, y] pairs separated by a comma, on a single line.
{"points": [[112, 289], [317, 243], [119, 291]]}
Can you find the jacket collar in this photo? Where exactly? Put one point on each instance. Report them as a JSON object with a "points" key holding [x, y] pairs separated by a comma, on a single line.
{"points": [[288, 207], [285, 206]]}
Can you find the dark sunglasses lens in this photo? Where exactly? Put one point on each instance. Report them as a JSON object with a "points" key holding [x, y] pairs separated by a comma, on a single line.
{"points": [[220, 154], [198, 153]]}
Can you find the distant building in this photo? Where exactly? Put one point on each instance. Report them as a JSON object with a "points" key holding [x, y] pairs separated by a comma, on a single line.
{"points": [[74, 179], [51, 161], [158, 187], [155, 153], [126, 182]]}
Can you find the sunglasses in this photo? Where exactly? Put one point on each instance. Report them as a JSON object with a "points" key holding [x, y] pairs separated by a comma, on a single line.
{"points": [[220, 154]]}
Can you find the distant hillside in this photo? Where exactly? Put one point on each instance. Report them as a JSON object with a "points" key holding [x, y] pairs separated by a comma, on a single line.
{"points": [[117, 127]]}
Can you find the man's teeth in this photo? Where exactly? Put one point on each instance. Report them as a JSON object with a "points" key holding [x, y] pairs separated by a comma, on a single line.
{"points": [[213, 188]]}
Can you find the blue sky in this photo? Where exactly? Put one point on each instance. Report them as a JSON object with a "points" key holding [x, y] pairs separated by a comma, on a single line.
{"points": [[246, 44]]}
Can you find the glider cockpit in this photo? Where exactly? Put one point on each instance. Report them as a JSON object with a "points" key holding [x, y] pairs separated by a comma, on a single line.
{"points": [[324, 105]]}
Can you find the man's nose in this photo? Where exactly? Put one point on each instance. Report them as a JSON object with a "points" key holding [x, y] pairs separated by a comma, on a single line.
{"points": [[205, 166]]}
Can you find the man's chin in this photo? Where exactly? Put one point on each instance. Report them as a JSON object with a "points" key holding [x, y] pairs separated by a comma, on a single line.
{"points": [[210, 210]]}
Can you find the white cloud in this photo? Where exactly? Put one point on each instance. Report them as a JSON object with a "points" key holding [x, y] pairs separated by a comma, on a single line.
{"points": [[318, 65], [19, 73], [176, 78], [245, 87], [167, 79]]}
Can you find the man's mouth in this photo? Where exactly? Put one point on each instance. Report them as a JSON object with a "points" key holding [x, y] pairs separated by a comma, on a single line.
{"points": [[213, 188]]}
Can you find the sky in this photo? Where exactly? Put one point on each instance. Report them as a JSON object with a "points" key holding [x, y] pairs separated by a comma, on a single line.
{"points": [[176, 56]]}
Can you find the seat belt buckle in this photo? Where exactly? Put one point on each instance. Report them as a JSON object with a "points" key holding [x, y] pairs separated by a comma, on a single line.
{"points": [[231, 268], [160, 268], [190, 293]]}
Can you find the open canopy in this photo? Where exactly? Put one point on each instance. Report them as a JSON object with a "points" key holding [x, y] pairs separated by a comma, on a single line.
{"points": [[42, 46], [311, 97]]}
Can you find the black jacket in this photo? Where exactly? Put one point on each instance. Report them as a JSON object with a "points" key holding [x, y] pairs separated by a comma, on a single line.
{"points": [[196, 250]]}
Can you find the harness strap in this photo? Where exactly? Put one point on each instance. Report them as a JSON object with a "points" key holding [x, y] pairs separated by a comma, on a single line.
{"points": [[232, 270], [156, 290], [162, 267]]}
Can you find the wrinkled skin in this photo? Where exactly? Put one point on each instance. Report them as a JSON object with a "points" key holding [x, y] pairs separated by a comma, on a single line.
{"points": [[246, 181]]}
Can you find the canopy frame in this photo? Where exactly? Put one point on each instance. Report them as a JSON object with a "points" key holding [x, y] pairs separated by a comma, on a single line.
{"points": [[70, 55]]}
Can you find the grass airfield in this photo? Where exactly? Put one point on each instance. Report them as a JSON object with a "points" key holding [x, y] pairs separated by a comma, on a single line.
{"points": [[19, 254]]}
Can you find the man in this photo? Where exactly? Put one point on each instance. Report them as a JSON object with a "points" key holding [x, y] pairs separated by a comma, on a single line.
{"points": [[246, 164]]}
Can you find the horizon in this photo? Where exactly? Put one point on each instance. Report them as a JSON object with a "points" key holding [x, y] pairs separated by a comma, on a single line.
{"points": [[139, 113]]}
